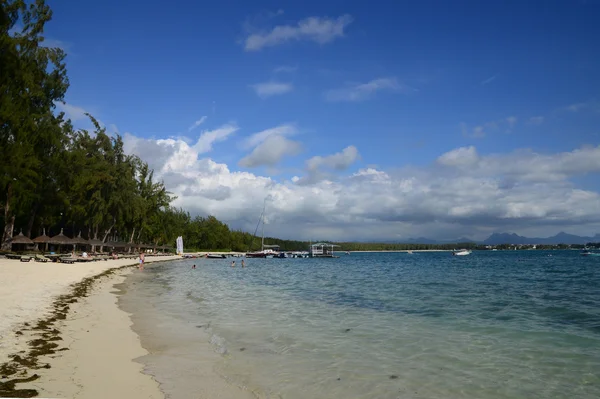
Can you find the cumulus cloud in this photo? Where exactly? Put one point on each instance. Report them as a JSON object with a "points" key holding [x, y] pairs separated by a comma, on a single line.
{"points": [[271, 151], [364, 91], [209, 137], [463, 156], [255, 139], [170, 155], [525, 165], [463, 192], [338, 161], [268, 89], [270, 146], [316, 29]]}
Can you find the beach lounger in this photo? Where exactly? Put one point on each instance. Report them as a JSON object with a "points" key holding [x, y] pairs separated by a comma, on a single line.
{"points": [[41, 258], [26, 258], [13, 256], [68, 260]]}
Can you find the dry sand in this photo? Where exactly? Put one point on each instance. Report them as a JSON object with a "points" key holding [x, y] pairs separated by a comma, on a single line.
{"points": [[28, 290]]}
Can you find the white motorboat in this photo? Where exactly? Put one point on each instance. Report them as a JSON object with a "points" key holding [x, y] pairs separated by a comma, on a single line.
{"points": [[462, 252]]}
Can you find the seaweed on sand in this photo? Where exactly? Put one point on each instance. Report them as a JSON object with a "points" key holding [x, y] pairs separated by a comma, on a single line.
{"points": [[46, 344]]}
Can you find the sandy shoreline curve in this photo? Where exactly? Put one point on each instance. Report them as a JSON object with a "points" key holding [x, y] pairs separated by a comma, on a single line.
{"points": [[39, 300]]}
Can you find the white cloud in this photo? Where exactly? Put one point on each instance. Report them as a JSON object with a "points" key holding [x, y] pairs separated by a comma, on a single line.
{"points": [[197, 123], [268, 89], [525, 165], [463, 156], [271, 151], [483, 129], [363, 91], [209, 137], [462, 193], [72, 112], [252, 141], [338, 161], [316, 29]]}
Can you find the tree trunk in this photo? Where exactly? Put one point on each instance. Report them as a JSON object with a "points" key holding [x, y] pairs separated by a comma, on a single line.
{"points": [[9, 222], [95, 237], [106, 233], [32, 219], [131, 239], [9, 226]]}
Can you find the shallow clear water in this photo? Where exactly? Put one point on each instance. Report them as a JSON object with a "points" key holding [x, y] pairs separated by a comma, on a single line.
{"points": [[520, 324]]}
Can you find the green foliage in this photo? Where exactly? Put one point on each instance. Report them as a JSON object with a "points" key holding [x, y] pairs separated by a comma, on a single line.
{"points": [[32, 79]]}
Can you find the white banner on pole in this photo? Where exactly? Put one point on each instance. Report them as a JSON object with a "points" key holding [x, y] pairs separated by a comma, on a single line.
{"points": [[179, 245]]}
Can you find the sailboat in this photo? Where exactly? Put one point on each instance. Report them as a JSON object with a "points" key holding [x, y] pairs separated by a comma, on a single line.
{"points": [[266, 251]]}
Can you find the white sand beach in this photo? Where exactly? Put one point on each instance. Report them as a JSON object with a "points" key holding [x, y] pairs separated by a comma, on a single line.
{"points": [[102, 347], [28, 291]]}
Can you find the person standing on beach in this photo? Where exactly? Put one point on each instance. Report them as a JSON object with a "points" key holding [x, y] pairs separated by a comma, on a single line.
{"points": [[141, 261]]}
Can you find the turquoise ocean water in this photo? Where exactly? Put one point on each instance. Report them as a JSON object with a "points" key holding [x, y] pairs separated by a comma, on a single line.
{"points": [[502, 324]]}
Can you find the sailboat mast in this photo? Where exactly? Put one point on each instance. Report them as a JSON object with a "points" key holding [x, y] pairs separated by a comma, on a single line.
{"points": [[262, 245]]}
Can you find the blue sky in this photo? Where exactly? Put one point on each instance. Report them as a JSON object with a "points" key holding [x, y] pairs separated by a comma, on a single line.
{"points": [[396, 84]]}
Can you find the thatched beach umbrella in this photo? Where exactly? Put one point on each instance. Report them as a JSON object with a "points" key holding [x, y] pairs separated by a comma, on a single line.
{"points": [[78, 240], [117, 244], [43, 239], [60, 239], [94, 242], [20, 239]]}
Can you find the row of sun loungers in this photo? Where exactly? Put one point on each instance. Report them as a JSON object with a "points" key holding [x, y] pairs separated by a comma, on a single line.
{"points": [[66, 258]]}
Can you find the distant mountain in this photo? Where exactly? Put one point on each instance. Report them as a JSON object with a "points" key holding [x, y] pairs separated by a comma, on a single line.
{"points": [[560, 238], [458, 240], [506, 238], [512, 238], [420, 240]]}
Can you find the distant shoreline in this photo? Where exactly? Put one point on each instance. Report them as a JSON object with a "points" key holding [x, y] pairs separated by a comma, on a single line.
{"points": [[203, 253], [402, 250]]}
